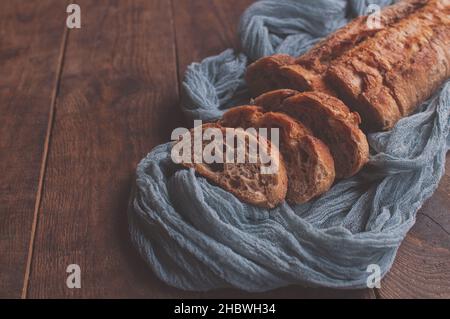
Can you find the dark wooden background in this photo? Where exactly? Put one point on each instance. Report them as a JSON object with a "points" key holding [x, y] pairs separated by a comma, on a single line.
{"points": [[80, 108]]}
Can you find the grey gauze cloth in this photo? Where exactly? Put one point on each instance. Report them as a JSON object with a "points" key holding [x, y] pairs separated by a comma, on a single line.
{"points": [[197, 236]]}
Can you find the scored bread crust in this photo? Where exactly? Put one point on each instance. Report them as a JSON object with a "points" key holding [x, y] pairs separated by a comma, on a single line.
{"points": [[310, 166], [318, 58], [245, 180], [330, 120], [307, 72], [388, 76], [383, 73]]}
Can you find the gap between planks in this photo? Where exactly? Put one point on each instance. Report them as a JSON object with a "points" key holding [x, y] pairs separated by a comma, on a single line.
{"points": [[175, 49], [50, 122]]}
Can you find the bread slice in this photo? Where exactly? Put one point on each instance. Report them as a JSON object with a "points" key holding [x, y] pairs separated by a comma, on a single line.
{"points": [[332, 122], [273, 100], [309, 164], [280, 71], [242, 116], [245, 180]]}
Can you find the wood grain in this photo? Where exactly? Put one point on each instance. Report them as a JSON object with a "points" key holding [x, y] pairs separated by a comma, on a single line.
{"points": [[422, 266], [205, 28], [117, 100], [118, 97], [31, 39]]}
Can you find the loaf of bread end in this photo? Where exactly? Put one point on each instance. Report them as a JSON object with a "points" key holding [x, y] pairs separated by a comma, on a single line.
{"points": [[307, 72], [382, 73]]}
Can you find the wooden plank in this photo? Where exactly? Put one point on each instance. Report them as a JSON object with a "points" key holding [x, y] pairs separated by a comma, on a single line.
{"points": [[422, 266], [31, 44], [118, 99], [205, 28]]}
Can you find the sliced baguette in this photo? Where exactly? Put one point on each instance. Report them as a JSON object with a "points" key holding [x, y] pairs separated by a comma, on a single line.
{"points": [[332, 122], [244, 180], [309, 164]]}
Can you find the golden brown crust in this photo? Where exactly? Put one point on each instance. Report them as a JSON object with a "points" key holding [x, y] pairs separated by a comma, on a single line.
{"points": [[376, 105], [245, 180], [332, 122], [306, 73], [280, 72], [263, 75], [242, 116], [388, 76], [357, 31], [383, 73], [273, 100]]}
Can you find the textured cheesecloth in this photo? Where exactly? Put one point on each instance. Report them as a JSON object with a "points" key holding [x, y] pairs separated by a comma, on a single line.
{"points": [[197, 236]]}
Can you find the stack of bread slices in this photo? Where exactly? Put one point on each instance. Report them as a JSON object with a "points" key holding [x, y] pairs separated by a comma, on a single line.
{"points": [[319, 141]]}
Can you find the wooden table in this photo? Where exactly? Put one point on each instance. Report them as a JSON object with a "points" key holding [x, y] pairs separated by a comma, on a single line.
{"points": [[79, 108]]}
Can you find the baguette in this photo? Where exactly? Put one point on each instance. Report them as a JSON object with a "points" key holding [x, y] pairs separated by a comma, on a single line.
{"points": [[329, 120], [383, 74], [244, 180], [310, 167], [388, 76], [306, 73]]}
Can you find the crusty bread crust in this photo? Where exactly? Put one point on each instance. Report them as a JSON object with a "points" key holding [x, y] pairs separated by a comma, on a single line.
{"points": [[245, 180], [308, 160], [388, 76], [381, 73], [330, 120], [264, 75], [306, 73], [310, 166], [351, 35], [242, 116], [272, 100]]}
